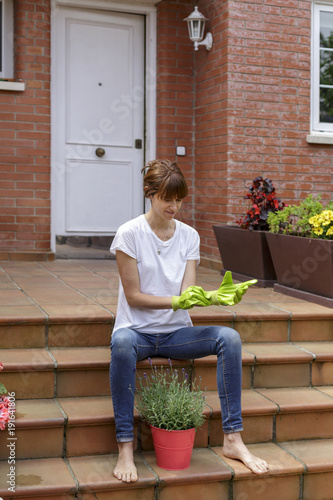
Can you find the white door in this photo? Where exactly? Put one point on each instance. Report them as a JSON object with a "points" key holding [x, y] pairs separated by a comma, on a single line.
{"points": [[98, 121]]}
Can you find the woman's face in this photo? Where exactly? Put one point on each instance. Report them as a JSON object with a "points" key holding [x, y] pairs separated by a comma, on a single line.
{"points": [[166, 208]]}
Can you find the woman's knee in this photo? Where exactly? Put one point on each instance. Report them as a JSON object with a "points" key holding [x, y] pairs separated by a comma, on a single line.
{"points": [[123, 341], [230, 336]]}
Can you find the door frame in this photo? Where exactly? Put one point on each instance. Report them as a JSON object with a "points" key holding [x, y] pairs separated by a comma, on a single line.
{"points": [[149, 11]]}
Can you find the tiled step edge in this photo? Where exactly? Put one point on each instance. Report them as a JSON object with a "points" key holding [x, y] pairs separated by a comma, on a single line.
{"points": [[296, 465], [83, 371], [95, 327], [70, 427], [30, 330]]}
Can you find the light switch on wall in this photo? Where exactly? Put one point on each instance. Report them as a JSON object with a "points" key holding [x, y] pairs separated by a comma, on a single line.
{"points": [[180, 151]]}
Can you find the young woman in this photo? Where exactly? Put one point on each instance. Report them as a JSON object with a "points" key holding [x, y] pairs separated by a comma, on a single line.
{"points": [[157, 257]]}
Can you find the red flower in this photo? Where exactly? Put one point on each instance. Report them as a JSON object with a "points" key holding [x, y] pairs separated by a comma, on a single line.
{"points": [[4, 411], [263, 199]]}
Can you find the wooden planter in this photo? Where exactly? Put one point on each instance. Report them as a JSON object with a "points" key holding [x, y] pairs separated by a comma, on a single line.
{"points": [[304, 267], [246, 254]]}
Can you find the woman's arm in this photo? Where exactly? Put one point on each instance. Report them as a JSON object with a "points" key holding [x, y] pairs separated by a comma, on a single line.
{"points": [[129, 275], [189, 275]]}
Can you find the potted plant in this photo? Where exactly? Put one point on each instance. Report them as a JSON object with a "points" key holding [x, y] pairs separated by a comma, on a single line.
{"points": [[300, 239], [173, 407], [4, 405], [243, 248]]}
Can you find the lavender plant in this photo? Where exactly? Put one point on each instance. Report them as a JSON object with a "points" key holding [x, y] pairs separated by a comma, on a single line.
{"points": [[169, 401]]}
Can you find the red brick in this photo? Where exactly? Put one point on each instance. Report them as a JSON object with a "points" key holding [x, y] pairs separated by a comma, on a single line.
{"points": [[35, 50]]}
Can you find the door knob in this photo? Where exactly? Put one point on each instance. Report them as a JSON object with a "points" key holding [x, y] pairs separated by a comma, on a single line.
{"points": [[100, 152]]}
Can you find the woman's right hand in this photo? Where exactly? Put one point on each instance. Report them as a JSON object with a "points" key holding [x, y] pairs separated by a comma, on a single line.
{"points": [[192, 296]]}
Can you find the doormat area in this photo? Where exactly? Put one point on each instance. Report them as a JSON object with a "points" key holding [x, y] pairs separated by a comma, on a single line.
{"points": [[84, 247]]}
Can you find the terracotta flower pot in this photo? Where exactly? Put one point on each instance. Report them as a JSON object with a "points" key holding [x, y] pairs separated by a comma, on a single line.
{"points": [[246, 254], [173, 449], [304, 267]]}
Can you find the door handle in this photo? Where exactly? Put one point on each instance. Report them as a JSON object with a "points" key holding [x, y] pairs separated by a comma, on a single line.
{"points": [[100, 152]]}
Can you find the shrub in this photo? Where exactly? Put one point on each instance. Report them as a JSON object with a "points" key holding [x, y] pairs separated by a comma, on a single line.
{"points": [[264, 201], [295, 219], [169, 402]]}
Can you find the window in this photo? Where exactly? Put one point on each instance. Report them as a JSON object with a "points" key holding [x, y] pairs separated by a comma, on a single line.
{"points": [[322, 81], [6, 39]]}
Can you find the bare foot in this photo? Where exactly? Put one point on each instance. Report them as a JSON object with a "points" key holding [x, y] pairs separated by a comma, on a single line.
{"points": [[125, 469], [233, 447]]}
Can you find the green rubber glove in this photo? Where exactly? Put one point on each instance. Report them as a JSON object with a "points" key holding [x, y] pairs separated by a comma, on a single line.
{"points": [[192, 296], [229, 293]]}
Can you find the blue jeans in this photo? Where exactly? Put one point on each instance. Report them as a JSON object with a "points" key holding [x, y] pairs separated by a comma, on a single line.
{"points": [[129, 346]]}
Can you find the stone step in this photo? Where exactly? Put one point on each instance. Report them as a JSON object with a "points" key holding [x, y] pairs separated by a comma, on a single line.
{"points": [[87, 326], [84, 371], [298, 470], [84, 326], [74, 303], [77, 330], [68, 427], [56, 321]]}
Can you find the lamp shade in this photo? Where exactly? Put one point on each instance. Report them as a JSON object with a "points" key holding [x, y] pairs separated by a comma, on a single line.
{"points": [[196, 25]]}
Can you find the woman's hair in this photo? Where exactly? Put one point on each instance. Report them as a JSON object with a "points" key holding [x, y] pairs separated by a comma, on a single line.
{"points": [[164, 179]]}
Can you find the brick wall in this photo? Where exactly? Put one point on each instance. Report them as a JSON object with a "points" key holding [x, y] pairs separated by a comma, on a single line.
{"points": [[252, 101], [25, 137], [211, 128], [175, 91]]}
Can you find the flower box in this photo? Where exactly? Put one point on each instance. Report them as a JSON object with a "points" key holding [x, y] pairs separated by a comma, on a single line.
{"points": [[304, 267], [246, 254]]}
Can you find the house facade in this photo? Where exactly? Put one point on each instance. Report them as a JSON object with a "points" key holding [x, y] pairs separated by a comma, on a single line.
{"points": [[91, 90]]}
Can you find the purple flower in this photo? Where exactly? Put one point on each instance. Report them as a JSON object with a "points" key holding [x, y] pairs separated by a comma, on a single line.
{"points": [[150, 361]]}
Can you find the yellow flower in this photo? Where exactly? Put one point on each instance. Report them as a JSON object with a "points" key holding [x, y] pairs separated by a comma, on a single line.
{"points": [[320, 222], [325, 218]]}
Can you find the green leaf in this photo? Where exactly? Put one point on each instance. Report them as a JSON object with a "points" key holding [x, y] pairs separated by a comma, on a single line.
{"points": [[168, 403], [3, 389], [294, 219]]}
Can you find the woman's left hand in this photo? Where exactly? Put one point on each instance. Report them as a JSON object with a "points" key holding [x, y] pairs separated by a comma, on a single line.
{"points": [[229, 293]]}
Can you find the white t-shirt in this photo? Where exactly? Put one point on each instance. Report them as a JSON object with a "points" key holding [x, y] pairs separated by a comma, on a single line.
{"points": [[161, 274]]}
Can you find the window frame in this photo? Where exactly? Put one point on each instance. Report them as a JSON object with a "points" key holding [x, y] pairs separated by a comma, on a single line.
{"points": [[7, 39]]}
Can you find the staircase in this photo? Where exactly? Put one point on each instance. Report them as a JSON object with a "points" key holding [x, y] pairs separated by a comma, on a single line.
{"points": [[56, 320]]}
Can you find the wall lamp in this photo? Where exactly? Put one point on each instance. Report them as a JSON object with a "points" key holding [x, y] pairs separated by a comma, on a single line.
{"points": [[196, 27]]}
